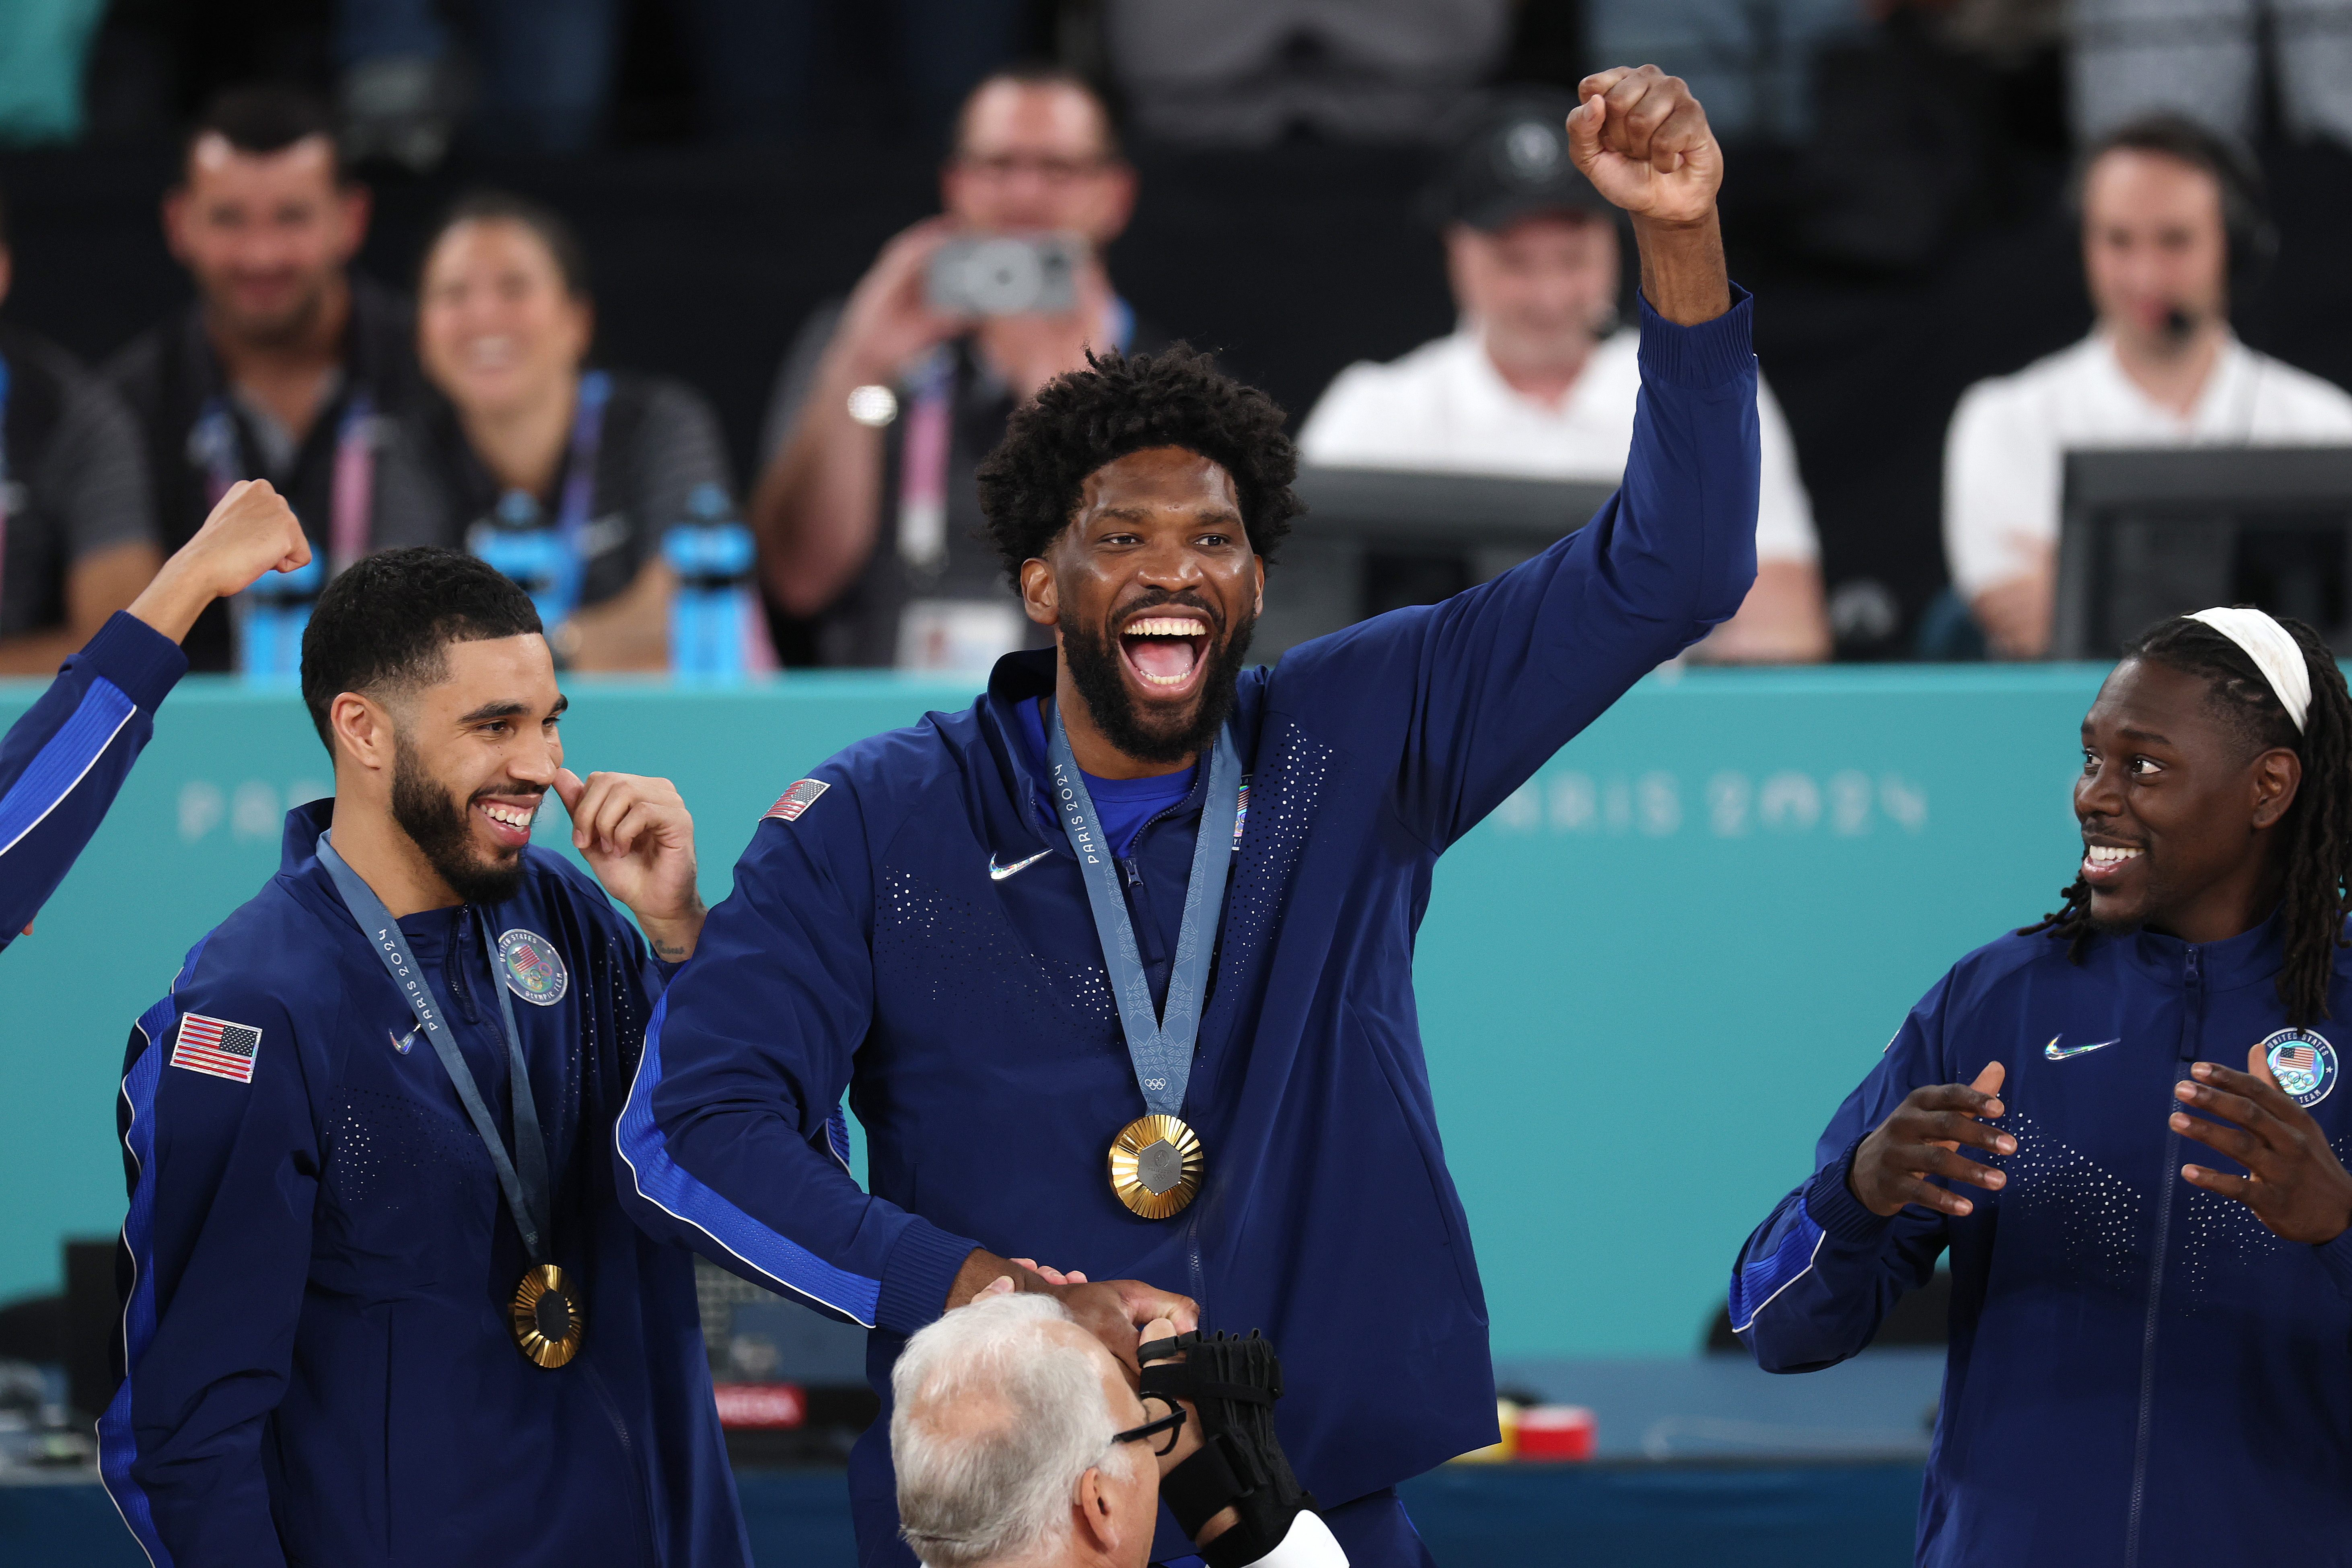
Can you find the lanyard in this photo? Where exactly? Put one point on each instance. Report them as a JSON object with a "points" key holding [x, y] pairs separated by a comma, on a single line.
{"points": [[1160, 1048], [214, 442], [580, 482], [924, 448], [556, 577], [270, 615], [526, 1187], [4, 473]]}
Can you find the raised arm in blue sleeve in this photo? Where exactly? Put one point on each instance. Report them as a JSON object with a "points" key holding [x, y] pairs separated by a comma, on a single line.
{"points": [[62, 763], [1495, 679], [1818, 1276], [223, 1176], [730, 1143]]}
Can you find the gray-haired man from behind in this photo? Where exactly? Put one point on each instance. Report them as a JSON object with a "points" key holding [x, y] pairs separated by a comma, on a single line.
{"points": [[1019, 1443]]}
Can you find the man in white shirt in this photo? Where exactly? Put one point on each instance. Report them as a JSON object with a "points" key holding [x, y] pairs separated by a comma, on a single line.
{"points": [[2169, 209], [1539, 381]]}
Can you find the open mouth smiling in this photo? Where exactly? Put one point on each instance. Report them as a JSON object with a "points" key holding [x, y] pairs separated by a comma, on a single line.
{"points": [[509, 820], [1165, 648], [2103, 863]]}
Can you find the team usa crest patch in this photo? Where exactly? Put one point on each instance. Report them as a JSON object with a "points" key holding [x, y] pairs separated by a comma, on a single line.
{"points": [[795, 800], [217, 1046], [533, 971], [2304, 1063]]}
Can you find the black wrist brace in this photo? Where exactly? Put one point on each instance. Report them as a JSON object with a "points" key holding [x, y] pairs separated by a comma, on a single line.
{"points": [[1234, 1384]]}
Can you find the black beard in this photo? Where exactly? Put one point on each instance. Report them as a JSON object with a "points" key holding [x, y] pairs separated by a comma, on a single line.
{"points": [[438, 826], [288, 328], [1094, 670]]}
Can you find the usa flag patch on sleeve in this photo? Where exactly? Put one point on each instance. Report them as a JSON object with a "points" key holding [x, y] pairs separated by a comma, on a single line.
{"points": [[795, 800], [217, 1046]]}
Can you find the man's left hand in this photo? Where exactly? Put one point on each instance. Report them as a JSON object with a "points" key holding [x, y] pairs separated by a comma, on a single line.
{"points": [[638, 838], [2298, 1187]]}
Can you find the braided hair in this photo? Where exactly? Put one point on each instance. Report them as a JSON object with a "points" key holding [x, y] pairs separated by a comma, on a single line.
{"points": [[2315, 836]]}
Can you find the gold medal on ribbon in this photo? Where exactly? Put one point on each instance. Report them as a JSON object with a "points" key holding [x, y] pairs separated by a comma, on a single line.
{"points": [[1156, 1165], [545, 1317]]}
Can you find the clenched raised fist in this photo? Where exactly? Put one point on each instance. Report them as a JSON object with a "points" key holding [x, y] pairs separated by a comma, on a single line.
{"points": [[1643, 140]]}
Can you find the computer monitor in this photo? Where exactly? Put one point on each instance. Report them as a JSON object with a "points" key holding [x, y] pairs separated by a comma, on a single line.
{"points": [[2147, 534], [1374, 538]]}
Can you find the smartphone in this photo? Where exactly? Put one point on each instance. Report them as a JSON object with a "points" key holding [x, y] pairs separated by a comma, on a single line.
{"points": [[1005, 275]]}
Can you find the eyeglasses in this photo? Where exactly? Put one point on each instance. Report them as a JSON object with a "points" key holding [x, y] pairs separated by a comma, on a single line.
{"points": [[1170, 1424], [1051, 171]]}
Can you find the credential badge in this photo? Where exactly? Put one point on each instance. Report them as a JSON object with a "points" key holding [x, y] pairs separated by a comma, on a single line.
{"points": [[534, 973], [2304, 1063]]}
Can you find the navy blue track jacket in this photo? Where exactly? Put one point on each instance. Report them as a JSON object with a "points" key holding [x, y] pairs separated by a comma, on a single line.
{"points": [[889, 941], [2140, 1372], [63, 760], [320, 1259]]}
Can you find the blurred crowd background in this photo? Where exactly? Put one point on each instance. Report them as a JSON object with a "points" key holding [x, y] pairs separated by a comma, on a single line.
{"points": [[587, 281]]}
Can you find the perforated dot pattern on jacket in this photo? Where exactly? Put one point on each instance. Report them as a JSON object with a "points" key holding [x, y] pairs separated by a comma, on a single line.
{"points": [[385, 1151], [953, 953], [2101, 1218], [2221, 1239], [1286, 788]]}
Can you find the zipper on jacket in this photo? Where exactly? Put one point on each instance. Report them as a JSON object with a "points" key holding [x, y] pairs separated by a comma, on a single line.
{"points": [[638, 1498], [2192, 1030], [452, 964], [1198, 1276]]}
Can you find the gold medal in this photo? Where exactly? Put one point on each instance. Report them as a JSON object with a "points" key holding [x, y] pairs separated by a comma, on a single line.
{"points": [[545, 1317], [1156, 1165]]}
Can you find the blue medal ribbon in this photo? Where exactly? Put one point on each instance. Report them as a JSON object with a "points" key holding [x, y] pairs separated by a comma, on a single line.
{"points": [[523, 1178], [1160, 1046]]}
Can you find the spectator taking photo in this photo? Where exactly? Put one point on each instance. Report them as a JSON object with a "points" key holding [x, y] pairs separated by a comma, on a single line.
{"points": [[867, 513]]}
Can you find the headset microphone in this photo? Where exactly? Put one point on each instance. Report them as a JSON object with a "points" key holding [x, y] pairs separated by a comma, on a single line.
{"points": [[2178, 324]]}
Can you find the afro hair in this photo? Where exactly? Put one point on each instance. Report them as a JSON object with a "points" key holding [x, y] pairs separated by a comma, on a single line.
{"points": [[1030, 485]]}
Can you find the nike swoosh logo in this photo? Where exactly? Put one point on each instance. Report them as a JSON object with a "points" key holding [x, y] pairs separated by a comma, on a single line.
{"points": [[997, 873], [2051, 1051], [400, 1045]]}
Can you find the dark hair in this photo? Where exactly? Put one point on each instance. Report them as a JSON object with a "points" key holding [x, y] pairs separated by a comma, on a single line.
{"points": [[2315, 840], [1029, 486], [2245, 208], [1037, 73], [388, 620], [563, 241], [266, 118]]}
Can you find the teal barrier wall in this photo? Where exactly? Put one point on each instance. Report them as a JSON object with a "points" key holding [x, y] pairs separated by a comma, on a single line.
{"points": [[1644, 982]]}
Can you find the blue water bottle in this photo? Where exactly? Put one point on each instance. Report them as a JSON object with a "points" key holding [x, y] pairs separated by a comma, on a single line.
{"points": [[710, 614], [518, 540], [270, 616]]}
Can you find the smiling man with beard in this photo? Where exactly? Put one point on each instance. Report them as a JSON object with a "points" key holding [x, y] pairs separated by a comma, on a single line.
{"points": [[1116, 966], [382, 1305]]}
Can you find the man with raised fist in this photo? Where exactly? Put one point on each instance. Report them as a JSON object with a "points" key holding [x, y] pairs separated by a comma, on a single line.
{"points": [[996, 931]]}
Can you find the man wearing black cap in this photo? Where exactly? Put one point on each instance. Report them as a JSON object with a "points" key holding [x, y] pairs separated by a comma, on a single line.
{"points": [[1539, 379]]}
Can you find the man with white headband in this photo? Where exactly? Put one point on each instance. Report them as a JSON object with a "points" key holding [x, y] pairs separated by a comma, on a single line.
{"points": [[2151, 1319]]}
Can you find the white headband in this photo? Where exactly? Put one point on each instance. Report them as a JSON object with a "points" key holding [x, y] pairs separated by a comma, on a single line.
{"points": [[2275, 652]]}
